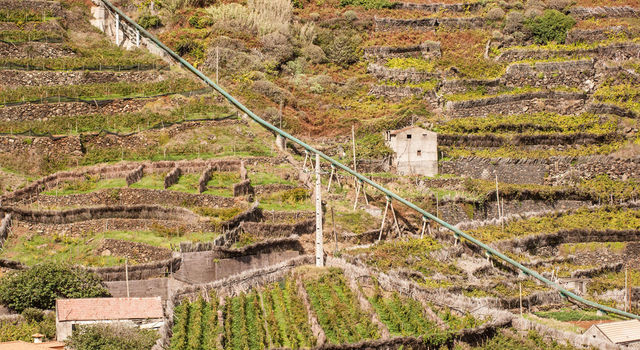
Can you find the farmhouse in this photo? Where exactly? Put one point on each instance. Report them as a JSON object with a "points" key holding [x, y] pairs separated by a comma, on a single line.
{"points": [[415, 150], [141, 312], [619, 333]]}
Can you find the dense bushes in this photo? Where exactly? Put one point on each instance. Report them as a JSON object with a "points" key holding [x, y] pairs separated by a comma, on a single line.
{"points": [[11, 330], [551, 26], [368, 4], [149, 21], [112, 337], [41, 285]]}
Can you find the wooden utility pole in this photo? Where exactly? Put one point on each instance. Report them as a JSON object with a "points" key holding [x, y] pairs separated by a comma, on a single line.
{"points": [[126, 274], [319, 236]]}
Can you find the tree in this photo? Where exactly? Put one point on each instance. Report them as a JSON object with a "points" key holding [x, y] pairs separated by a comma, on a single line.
{"points": [[551, 26], [40, 286]]}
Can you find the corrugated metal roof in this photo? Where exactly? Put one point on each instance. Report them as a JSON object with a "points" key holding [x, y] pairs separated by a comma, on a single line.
{"points": [[621, 332], [97, 309]]}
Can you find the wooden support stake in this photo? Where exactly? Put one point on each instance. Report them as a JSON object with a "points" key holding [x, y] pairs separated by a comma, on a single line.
{"points": [[520, 284], [304, 164], [126, 274], [217, 63], [498, 197], [384, 218], [424, 225], [395, 219], [353, 143], [335, 234], [319, 236], [366, 200], [355, 204], [333, 168]]}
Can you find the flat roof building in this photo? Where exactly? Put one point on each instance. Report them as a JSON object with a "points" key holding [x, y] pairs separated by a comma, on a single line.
{"points": [[619, 333], [415, 150]]}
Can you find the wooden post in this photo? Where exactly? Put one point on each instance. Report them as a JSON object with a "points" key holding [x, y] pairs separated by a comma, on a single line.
{"points": [[626, 288], [304, 164], [333, 168], [384, 217], [217, 63], [319, 250], [498, 198], [335, 234], [520, 285], [126, 274], [395, 219], [424, 225], [355, 203], [353, 144]]}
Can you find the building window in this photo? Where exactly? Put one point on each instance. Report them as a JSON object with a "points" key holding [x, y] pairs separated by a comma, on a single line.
{"points": [[408, 136], [419, 153]]}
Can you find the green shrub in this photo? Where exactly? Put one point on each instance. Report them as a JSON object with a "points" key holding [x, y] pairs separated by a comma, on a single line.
{"points": [[368, 4], [16, 329], [200, 22], [341, 49], [40, 286], [149, 21], [112, 337], [551, 26]]}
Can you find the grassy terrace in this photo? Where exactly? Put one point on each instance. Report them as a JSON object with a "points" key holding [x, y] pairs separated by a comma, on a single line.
{"points": [[627, 96], [31, 249], [20, 36], [411, 254], [519, 152], [577, 47], [337, 308], [101, 91], [598, 219], [153, 115], [538, 123]]}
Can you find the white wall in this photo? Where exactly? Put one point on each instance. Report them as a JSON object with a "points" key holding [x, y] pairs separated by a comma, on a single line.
{"points": [[417, 154]]}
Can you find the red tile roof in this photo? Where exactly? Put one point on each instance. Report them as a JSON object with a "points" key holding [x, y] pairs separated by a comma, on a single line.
{"points": [[108, 309]]}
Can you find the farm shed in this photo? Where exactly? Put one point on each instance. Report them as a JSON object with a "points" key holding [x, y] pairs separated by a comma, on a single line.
{"points": [[140, 312], [415, 150], [620, 333]]}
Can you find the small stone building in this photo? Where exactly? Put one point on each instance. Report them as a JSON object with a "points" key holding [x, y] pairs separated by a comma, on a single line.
{"points": [[415, 150], [140, 312], [626, 333]]}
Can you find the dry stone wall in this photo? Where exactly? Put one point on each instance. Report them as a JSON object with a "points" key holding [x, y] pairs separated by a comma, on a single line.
{"points": [[172, 178], [51, 78], [402, 76], [138, 196], [492, 140], [163, 287], [35, 49], [44, 111], [594, 35], [532, 243], [5, 227], [389, 24], [438, 7], [551, 74], [579, 12], [39, 147], [613, 52], [243, 188], [426, 50], [53, 7], [154, 269], [135, 175], [148, 212], [531, 102], [270, 230]]}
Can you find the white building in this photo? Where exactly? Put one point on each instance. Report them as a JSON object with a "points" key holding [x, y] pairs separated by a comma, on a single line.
{"points": [[141, 312], [416, 150], [625, 333]]}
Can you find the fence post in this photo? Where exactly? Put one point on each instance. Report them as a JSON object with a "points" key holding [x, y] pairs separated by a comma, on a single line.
{"points": [[319, 236], [138, 43], [117, 29]]}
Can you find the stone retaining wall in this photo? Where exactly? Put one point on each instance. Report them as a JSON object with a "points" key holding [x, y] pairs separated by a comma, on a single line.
{"points": [[268, 230], [53, 7], [540, 101], [594, 35], [614, 52], [51, 78], [550, 74], [554, 170], [147, 212], [5, 227], [402, 76], [35, 49], [437, 7], [43, 111], [138, 196], [172, 177], [532, 243], [603, 12], [389, 24], [154, 269], [493, 140], [426, 50]]}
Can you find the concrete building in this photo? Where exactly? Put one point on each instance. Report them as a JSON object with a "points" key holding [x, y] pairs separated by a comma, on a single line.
{"points": [[626, 333], [140, 312], [415, 150]]}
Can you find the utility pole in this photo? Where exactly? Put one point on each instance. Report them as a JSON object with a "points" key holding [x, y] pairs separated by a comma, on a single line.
{"points": [[319, 236]]}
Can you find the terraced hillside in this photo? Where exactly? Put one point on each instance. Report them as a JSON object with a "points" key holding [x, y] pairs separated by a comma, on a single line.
{"points": [[123, 163]]}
